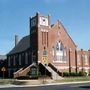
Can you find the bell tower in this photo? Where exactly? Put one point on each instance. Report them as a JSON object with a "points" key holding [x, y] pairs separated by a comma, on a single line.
{"points": [[39, 38]]}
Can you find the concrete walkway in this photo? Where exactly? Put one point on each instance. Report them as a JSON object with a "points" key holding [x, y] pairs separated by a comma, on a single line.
{"points": [[35, 83]]}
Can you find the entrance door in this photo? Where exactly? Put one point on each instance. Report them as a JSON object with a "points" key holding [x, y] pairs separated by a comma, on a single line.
{"points": [[45, 58]]}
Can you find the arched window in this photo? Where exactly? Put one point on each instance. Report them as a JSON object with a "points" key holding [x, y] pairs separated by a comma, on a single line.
{"points": [[65, 54], [59, 52], [44, 53]]}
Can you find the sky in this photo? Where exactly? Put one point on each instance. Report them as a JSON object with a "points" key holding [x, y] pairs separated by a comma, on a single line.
{"points": [[14, 19]]}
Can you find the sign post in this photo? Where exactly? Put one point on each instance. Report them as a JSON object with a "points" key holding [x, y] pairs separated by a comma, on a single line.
{"points": [[45, 63], [45, 60], [3, 69]]}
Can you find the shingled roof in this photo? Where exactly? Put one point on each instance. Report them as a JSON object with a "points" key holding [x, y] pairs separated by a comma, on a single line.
{"points": [[23, 45]]}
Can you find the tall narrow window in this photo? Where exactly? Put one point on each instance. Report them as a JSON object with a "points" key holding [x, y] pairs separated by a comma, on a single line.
{"points": [[42, 39], [44, 53], [34, 56], [86, 60], [9, 61], [78, 59], [59, 53], [14, 57], [26, 58], [47, 39], [19, 59], [9, 72], [65, 54]]}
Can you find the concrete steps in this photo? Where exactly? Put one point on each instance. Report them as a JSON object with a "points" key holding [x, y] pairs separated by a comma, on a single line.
{"points": [[55, 76], [23, 71], [16, 74]]}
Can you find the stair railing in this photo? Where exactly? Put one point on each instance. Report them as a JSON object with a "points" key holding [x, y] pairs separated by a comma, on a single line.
{"points": [[55, 69]]}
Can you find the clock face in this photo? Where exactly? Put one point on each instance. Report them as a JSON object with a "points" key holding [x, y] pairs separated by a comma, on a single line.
{"points": [[44, 21], [33, 22]]}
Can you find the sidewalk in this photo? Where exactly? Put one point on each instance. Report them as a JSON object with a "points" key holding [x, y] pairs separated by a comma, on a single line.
{"points": [[35, 83]]}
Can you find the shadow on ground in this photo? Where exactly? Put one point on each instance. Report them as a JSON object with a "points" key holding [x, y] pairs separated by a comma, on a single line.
{"points": [[86, 87]]}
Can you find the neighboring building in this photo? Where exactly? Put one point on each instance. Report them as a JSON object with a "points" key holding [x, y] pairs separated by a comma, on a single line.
{"points": [[46, 45], [19, 56], [3, 57], [83, 61], [3, 64]]}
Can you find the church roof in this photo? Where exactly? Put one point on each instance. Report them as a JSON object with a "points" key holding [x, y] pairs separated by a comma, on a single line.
{"points": [[58, 22], [23, 45]]}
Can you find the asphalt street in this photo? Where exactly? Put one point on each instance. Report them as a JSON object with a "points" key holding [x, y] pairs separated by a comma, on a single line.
{"points": [[84, 86]]}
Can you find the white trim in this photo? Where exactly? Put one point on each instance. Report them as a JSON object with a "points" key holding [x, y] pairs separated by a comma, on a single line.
{"points": [[62, 67], [73, 67], [79, 67], [65, 67], [57, 61], [84, 67]]}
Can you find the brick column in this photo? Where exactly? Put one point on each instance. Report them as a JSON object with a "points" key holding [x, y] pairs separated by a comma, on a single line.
{"points": [[82, 59], [76, 59], [69, 61]]}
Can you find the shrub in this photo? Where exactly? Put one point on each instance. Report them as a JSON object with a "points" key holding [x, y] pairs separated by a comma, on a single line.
{"points": [[73, 74], [66, 74], [82, 73]]}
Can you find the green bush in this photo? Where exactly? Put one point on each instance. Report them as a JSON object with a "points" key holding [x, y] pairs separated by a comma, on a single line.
{"points": [[82, 73], [73, 74], [67, 74]]}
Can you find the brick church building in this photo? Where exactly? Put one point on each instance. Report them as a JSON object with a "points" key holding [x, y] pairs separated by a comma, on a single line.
{"points": [[47, 47]]}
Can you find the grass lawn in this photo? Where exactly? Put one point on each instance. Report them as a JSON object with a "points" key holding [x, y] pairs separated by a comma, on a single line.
{"points": [[11, 81], [6, 81], [74, 79]]}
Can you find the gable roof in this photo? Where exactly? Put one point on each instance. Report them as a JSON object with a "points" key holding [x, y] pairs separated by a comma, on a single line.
{"points": [[68, 34], [23, 45], [64, 30]]}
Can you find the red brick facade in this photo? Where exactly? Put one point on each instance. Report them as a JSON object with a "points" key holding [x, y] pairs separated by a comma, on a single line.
{"points": [[48, 44], [83, 61], [48, 38]]}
